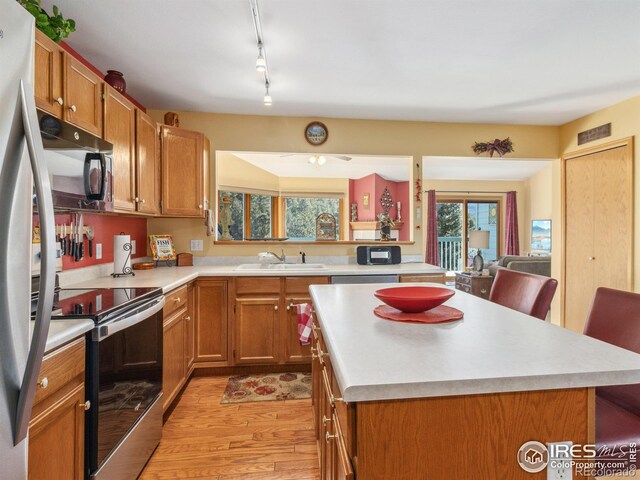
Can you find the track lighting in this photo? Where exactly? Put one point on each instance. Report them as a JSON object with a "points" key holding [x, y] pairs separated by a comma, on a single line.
{"points": [[261, 63], [267, 97]]}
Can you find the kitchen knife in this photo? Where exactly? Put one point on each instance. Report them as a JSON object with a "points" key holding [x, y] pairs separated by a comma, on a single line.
{"points": [[72, 236], [63, 239], [90, 238], [81, 238]]}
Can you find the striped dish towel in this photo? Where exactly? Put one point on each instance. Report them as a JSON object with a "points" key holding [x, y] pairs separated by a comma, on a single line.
{"points": [[305, 320]]}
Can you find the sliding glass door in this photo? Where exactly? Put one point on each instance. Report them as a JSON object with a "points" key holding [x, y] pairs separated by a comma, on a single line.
{"points": [[456, 217]]}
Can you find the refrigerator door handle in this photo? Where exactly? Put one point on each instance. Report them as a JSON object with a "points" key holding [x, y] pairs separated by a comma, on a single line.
{"points": [[44, 198]]}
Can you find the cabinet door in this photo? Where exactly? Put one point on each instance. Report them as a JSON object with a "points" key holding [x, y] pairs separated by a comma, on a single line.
{"points": [[48, 75], [82, 96], [293, 351], [326, 429], [316, 389], [56, 439], [189, 328], [256, 330], [211, 321], [342, 469], [119, 129], [182, 172], [147, 171], [173, 357]]}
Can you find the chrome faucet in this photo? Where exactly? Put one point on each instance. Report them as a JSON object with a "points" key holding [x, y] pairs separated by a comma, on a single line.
{"points": [[282, 258], [304, 257]]}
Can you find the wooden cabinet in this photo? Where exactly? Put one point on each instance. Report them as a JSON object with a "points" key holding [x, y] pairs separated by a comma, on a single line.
{"points": [[296, 291], [211, 314], [256, 333], [48, 78], [265, 319], [183, 172], [82, 96], [66, 88], [147, 165], [189, 330], [478, 285], [56, 429], [423, 278], [334, 419], [173, 372], [119, 129]]}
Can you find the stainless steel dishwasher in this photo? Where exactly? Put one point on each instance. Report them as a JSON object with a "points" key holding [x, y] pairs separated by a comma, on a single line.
{"points": [[354, 279]]}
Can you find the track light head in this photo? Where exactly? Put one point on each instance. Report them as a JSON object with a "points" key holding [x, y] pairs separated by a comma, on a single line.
{"points": [[268, 101], [261, 63]]}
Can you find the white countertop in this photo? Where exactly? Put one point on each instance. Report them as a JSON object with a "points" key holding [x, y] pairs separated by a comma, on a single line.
{"points": [[63, 331], [169, 278], [493, 349]]}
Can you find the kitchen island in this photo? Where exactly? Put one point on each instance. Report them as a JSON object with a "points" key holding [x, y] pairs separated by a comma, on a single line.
{"points": [[451, 400]]}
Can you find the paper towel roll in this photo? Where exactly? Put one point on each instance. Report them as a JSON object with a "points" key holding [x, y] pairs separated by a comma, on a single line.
{"points": [[122, 254]]}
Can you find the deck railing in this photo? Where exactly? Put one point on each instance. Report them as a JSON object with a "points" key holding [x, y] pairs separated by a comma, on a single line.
{"points": [[450, 253]]}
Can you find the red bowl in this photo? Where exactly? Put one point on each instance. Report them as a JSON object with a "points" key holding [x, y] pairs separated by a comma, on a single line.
{"points": [[414, 299]]}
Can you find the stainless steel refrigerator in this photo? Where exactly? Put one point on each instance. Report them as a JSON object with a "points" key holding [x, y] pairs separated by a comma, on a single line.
{"points": [[23, 178]]}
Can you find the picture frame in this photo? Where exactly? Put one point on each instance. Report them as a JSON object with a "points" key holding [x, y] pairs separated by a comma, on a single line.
{"points": [[162, 249], [365, 201], [541, 237], [316, 133]]}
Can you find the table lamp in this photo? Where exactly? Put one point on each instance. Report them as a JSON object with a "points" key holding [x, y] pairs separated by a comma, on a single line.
{"points": [[478, 239]]}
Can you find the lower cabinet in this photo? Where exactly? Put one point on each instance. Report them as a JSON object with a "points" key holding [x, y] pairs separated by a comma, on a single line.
{"points": [[211, 314], [56, 429], [173, 370], [334, 420], [190, 330], [256, 330]]}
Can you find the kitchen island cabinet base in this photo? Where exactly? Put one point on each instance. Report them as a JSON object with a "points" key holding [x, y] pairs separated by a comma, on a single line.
{"points": [[475, 436]]}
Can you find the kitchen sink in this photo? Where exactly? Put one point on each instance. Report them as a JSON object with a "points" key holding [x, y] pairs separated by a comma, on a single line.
{"points": [[282, 266]]}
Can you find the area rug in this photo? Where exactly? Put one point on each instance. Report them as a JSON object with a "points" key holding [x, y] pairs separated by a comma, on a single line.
{"points": [[271, 386]]}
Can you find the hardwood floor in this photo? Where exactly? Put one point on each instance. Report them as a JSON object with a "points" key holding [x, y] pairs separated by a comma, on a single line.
{"points": [[203, 439]]}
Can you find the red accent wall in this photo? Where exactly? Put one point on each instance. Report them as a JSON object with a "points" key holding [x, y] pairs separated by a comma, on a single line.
{"points": [[374, 185], [105, 227]]}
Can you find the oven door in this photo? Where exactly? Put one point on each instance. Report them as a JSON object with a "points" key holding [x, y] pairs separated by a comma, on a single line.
{"points": [[124, 378]]}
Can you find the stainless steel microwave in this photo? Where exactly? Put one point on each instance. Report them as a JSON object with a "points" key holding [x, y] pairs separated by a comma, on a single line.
{"points": [[80, 166]]}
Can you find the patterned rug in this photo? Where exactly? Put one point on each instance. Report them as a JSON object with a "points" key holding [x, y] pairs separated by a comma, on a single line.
{"points": [[260, 388]]}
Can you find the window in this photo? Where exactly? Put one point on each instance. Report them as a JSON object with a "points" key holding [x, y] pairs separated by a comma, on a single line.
{"points": [[453, 215], [251, 215], [300, 216]]}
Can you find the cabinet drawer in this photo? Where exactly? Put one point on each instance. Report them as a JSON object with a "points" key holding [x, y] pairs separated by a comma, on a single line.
{"points": [[301, 284], [253, 285], [59, 368], [429, 278], [174, 300], [463, 280], [464, 288]]}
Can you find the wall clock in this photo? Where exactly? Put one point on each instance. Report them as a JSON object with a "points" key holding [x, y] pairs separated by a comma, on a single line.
{"points": [[316, 133]]}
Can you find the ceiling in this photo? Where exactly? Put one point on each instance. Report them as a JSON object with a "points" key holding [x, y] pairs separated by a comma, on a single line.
{"points": [[297, 165], [479, 169], [491, 61]]}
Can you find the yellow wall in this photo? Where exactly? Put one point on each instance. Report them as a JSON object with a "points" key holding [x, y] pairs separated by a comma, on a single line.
{"points": [[625, 122], [232, 171], [539, 192], [346, 136]]}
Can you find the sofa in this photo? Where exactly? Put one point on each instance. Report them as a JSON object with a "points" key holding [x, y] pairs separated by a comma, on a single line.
{"points": [[536, 265]]}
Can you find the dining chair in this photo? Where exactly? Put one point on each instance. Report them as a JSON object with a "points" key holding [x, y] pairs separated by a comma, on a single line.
{"points": [[615, 318], [522, 291]]}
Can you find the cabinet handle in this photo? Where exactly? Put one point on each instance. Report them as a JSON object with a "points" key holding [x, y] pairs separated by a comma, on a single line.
{"points": [[200, 206], [142, 200], [333, 400], [86, 405], [314, 354], [187, 318], [275, 307], [592, 258], [177, 299], [325, 420], [328, 437], [483, 291], [44, 383], [136, 199], [73, 108], [59, 101], [291, 305], [314, 328]]}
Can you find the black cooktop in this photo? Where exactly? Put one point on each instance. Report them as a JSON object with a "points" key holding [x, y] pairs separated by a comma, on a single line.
{"points": [[99, 303]]}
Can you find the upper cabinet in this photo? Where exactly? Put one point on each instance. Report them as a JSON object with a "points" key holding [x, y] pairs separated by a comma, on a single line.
{"points": [[82, 96], [65, 87], [119, 129], [147, 165], [48, 79], [183, 172]]}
